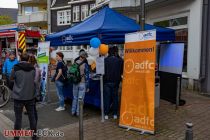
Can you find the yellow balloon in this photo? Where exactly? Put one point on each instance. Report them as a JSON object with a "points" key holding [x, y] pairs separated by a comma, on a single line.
{"points": [[103, 49]]}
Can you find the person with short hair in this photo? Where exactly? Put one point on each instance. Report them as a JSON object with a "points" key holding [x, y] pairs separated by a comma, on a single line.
{"points": [[23, 93], [112, 78], [59, 74]]}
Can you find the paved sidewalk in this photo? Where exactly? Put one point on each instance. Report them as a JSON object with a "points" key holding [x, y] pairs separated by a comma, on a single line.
{"points": [[170, 124]]}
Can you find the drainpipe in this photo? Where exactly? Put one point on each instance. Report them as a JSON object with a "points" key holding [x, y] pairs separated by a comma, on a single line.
{"points": [[49, 16], [142, 5], [204, 43]]}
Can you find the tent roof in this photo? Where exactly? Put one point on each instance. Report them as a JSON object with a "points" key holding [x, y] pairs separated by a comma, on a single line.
{"points": [[109, 25]]}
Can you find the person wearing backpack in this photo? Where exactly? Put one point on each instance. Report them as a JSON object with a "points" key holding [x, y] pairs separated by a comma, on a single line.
{"points": [[58, 78], [79, 73]]}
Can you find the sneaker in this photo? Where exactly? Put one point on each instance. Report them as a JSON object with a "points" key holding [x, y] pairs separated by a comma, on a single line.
{"points": [[60, 109], [106, 117], [115, 117]]}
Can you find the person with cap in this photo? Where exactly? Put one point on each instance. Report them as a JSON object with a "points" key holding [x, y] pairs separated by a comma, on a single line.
{"points": [[80, 88], [8, 66], [81, 51]]}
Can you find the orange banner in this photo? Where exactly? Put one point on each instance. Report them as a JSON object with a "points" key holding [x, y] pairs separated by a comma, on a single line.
{"points": [[138, 88]]}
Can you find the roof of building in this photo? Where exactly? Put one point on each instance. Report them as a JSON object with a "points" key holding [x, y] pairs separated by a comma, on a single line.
{"points": [[9, 12]]}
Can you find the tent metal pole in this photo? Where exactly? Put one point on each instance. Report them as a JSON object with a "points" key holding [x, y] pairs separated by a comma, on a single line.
{"points": [[102, 97]]}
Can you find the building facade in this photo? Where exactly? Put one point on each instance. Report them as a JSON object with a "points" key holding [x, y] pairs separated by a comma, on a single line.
{"points": [[67, 13], [33, 13], [60, 15], [183, 16]]}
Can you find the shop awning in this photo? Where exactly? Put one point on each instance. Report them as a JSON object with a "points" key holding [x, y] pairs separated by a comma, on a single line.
{"points": [[7, 34], [108, 25]]}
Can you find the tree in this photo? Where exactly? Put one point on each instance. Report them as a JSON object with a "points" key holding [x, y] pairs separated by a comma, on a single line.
{"points": [[5, 20]]}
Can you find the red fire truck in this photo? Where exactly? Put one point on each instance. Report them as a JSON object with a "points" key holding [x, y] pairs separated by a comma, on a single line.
{"points": [[18, 37]]}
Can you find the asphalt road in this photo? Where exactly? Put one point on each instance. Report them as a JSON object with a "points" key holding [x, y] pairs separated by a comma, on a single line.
{"points": [[48, 117]]}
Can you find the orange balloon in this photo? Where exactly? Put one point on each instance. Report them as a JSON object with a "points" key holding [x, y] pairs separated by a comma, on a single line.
{"points": [[103, 49]]}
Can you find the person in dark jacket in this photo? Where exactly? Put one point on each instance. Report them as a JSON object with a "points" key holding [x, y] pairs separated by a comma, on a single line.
{"points": [[24, 94], [112, 78]]}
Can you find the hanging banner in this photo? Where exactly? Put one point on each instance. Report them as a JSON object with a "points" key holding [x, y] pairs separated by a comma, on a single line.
{"points": [[138, 88], [43, 60], [43, 87], [43, 52]]}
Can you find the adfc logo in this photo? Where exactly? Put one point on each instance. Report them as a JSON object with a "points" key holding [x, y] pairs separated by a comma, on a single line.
{"points": [[131, 66]]}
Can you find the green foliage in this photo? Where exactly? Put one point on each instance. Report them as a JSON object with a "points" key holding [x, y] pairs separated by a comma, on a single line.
{"points": [[5, 20]]}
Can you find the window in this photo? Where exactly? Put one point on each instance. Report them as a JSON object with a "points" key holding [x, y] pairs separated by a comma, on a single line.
{"points": [[35, 9], [172, 22], [64, 17], [92, 5], [181, 34], [69, 48], [84, 11], [76, 13], [62, 48], [29, 10], [68, 17], [84, 47], [66, 48], [79, 48], [60, 18]]}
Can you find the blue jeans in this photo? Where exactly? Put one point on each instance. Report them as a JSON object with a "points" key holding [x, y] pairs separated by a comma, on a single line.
{"points": [[32, 115], [78, 93], [59, 88], [110, 93]]}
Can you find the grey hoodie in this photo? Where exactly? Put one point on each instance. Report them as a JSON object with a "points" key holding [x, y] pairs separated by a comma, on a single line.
{"points": [[24, 87]]}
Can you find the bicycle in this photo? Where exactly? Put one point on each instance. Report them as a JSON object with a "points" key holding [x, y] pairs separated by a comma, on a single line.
{"points": [[4, 92]]}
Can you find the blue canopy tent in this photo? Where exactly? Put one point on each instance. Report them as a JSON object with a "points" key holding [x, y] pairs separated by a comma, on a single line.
{"points": [[108, 25], [111, 27]]}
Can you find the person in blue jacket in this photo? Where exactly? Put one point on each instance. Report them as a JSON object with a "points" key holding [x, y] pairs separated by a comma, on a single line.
{"points": [[8, 66]]}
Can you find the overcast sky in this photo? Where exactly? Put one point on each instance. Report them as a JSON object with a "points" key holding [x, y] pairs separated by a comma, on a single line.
{"points": [[8, 4]]}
